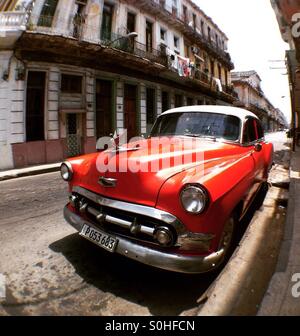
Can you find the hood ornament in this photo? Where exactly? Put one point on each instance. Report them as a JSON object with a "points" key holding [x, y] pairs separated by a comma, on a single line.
{"points": [[118, 141], [107, 182]]}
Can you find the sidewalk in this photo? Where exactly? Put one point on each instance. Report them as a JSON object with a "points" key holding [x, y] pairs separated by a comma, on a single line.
{"points": [[29, 171], [279, 300]]}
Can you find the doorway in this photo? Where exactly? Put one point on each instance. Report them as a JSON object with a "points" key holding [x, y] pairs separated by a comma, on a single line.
{"points": [[149, 36], [104, 108], [73, 134], [130, 107], [151, 108], [35, 106]]}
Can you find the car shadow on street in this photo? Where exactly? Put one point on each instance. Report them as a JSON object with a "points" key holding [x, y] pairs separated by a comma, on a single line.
{"points": [[162, 292]]}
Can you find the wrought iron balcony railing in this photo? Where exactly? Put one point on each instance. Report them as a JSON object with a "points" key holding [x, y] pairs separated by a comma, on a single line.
{"points": [[132, 46]]}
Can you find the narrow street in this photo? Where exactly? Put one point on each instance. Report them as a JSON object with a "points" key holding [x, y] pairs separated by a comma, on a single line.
{"points": [[50, 270]]}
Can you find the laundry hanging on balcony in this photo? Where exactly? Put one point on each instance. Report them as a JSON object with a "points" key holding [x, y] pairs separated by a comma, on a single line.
{"points": [[173, 58], [218, 84], [184, 66]]}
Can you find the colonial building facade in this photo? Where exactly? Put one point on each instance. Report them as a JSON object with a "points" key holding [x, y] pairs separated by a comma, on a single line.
{"points": [[72, 71], [247, 85], [287, 12]]}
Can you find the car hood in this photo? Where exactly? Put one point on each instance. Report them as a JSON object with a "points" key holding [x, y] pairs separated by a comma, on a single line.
{"points": [[140, 169]]}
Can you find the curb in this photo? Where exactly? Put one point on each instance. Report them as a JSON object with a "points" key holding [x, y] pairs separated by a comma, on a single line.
{"points": [[29, 172], [242, 284]]}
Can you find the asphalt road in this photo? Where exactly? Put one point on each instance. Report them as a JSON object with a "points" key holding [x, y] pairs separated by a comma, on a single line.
{"points": [[50, 270]]}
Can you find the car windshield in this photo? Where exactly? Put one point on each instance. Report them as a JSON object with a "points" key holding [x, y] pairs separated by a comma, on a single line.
{"points": [[198, 124]]}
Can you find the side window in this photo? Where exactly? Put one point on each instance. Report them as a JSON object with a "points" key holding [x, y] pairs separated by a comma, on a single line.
{"points": [[249, 131], [260, 129]]}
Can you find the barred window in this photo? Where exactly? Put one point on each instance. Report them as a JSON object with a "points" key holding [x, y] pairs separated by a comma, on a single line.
{"points": [[47, 13]]}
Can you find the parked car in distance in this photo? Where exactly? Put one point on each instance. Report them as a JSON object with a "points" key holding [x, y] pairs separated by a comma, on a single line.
{"points": [[210, 162]]}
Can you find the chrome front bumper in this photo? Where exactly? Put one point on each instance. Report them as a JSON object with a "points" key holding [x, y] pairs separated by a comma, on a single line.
{"points": [[150, 256]]}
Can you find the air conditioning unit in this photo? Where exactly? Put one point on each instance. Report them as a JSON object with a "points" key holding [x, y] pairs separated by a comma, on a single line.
{"points": [[195, 50]]}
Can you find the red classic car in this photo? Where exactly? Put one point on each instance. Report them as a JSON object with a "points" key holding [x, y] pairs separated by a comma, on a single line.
{"points": [[173, 200]]}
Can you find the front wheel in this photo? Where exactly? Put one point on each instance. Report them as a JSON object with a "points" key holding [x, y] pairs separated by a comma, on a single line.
{"points": [[228, 237]]}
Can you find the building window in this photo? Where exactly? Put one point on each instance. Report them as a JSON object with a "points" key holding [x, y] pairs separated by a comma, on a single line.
{"points": [[190, 101], [47, 13], [79, 18], [185, 14], [174, 8], [130, 22], [162, 3], [163, 34], [194, 21], [187, 50], [212, 68], [71, 84], [176, 42], [219, 71], [107, 18], [209, 34], [165, 101], [178, 100], [149, 36], [202, 27]]}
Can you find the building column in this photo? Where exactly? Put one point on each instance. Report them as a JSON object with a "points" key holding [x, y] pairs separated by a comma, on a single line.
{"points": [[120, 107], [158, 101], [143, 109], [53, 97], [90, 132], [93, 20], [5, 115], [90, 106], [64, 14]]}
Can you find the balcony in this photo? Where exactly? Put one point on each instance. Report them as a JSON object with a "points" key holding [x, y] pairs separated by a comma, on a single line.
{"points": [[12, 24], [131, 46], [80, 44], [13, 20], [181, 22]]}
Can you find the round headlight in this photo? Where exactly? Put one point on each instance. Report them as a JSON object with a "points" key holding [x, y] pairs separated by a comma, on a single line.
{"points": [[66, 171], [194, 199]]}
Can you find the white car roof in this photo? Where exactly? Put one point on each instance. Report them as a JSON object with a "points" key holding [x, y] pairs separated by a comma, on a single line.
{"points": [[228, 110]]}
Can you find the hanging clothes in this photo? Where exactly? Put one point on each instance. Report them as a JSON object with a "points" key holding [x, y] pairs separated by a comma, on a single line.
{"points": [[173, 58], [184, 69]]}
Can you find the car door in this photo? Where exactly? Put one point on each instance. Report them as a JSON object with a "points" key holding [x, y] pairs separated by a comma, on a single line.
{"points": [[253, 139]]}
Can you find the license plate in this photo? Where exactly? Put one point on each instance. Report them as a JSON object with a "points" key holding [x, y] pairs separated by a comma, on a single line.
{"points": [[100, 238]]}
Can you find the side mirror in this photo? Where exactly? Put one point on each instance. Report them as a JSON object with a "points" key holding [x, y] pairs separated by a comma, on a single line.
{"points": [[258, 147]]}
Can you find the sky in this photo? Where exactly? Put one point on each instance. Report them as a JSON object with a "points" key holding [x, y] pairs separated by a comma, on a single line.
{"points": [[254, 41]]}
